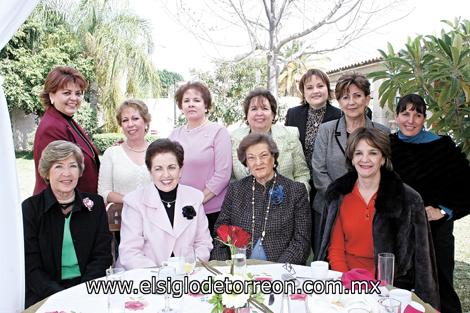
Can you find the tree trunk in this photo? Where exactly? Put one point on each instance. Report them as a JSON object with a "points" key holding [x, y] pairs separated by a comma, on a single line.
{"points": [[272, 73], [272, 53], [93, 95]]}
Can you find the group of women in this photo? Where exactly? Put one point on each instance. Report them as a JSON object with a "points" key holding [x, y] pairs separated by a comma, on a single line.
{"points": [[370, 192]]}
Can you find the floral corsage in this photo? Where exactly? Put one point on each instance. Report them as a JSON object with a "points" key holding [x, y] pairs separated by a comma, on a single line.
{"points": [[88, 203], [277, 195], [189, 212]]}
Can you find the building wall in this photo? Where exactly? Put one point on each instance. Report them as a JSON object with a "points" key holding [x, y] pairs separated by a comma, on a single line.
{"points": [[23, 128], [163, 111]]}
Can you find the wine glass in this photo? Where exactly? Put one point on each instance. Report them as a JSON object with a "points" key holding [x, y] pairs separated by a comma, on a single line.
{"points": [[389, 305], [189, 260], [163, 274]]}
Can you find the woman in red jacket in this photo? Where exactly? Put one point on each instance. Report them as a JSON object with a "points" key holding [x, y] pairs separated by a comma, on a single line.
{"points": [[62, 95]]}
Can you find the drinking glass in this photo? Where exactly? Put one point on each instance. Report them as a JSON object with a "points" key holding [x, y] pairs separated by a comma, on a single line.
{"points": [[115, 300], [239, 261], [189, 260], [389, 305], [163, 274], [402, 295], [385, 268], [319, 270]]}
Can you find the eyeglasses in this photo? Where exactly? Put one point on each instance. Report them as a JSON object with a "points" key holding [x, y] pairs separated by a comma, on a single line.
{"points": [[263, 157]]}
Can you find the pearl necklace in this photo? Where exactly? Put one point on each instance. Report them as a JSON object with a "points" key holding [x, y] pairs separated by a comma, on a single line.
{"points": [[136, 150], [267, 211]]}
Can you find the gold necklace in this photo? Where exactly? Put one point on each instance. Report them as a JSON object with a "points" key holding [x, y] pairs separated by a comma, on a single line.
{"points": [[267, 211]]}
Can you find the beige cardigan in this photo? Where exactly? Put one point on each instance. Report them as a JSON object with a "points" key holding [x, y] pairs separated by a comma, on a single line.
{"points": [[291, 161]]}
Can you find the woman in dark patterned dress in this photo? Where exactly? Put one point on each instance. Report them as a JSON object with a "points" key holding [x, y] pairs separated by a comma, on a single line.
{"points": [[271, 207]]}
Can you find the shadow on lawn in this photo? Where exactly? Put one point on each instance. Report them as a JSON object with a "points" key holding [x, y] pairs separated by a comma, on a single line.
{"points": [[462, 284]]}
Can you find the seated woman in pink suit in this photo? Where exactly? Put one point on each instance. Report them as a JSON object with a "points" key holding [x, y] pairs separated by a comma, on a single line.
{"points": [[163, 218]]}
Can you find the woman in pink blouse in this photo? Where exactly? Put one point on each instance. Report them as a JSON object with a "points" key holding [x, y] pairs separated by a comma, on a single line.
{"points": [[208, 152]]}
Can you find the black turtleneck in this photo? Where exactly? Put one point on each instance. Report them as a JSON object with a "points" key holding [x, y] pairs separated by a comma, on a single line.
{"points": [[169, 198]]}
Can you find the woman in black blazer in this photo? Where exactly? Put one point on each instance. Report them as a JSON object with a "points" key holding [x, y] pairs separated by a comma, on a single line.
{"points": [[66, 235], [314, 110]]}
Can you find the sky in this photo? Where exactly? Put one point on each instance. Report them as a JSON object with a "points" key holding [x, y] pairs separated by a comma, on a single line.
{"points": [[176, 49]]}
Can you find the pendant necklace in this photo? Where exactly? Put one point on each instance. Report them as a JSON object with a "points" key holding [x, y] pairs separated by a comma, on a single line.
{"points": [[263, 233], [168, 203]]}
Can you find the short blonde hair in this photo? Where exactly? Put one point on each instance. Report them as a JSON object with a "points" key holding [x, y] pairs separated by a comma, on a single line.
{"points": [[136, 104], [57, 151]]}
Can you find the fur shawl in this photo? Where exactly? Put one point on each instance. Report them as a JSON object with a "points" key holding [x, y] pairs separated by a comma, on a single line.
{"points": [[438, 170], [400, 226]]}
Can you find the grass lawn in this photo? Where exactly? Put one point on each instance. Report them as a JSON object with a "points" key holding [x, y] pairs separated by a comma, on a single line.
{"points": [[25, 168]]}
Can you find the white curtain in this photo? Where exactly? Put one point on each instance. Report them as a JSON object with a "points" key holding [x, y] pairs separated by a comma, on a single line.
{"points": [[12, 14]]}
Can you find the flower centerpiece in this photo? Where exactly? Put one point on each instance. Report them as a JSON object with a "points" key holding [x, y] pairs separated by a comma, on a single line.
{"points": [[234, 302], [235, 238]]}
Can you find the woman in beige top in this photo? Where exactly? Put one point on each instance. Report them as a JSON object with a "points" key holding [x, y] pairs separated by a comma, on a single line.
{"points": [[123, 167]]}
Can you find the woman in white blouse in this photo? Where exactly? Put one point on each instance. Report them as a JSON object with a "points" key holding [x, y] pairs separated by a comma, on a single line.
{"points": [[123, 167]]}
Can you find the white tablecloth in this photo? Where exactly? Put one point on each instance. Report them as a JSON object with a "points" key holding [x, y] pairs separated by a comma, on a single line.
{"points": [[77, 299]]}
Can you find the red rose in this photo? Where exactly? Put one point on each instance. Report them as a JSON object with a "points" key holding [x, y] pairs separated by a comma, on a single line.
{"points": [[240, 237], [223, 233], [233, 235]]}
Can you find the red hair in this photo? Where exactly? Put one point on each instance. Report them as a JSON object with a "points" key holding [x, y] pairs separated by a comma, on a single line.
{"points": [[59, 77]]}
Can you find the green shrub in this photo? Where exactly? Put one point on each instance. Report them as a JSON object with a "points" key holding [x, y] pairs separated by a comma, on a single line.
{"points": [[86, 118], [151, 138], [104, 141]]}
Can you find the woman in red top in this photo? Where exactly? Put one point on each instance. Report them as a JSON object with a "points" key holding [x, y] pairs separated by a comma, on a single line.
{"points": [[62, 95], [370, 211]]}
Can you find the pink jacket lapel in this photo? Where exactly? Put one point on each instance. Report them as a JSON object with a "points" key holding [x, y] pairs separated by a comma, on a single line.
{"points": [[157, 213], [181, 223]]}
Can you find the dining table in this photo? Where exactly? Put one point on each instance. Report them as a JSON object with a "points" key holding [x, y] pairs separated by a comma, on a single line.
{"points": [[78, 300]]}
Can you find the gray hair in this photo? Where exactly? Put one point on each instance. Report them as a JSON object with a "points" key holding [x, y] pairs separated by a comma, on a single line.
{"points": [[254, 139], [57, 151]]}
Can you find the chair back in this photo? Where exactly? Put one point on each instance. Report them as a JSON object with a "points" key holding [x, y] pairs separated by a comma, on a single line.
{"points": [[114, 211]]}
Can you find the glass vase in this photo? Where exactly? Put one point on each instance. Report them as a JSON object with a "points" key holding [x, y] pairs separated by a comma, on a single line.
{"points": [[238, 264]]}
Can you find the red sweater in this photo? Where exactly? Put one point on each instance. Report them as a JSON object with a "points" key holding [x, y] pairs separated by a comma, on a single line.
{"points": [[54, 126], [351, 244]]}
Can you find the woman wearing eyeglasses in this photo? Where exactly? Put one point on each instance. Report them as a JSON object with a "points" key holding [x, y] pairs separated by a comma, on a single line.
{"points": [[271, 207]]}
